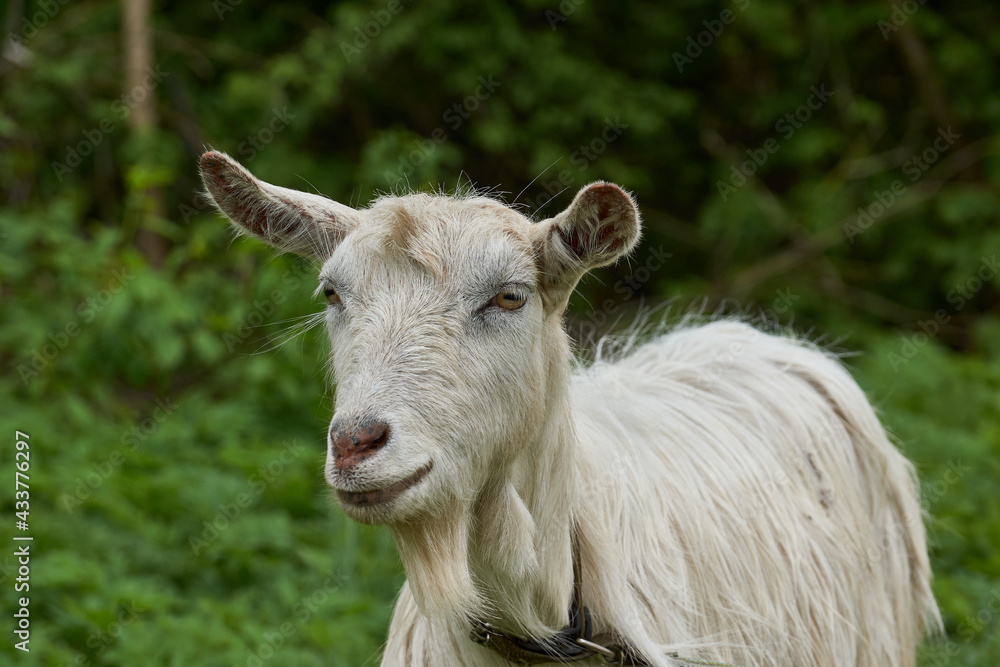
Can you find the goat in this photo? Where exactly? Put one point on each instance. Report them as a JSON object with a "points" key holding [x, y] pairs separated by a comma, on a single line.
{"points": [[717, 493]]}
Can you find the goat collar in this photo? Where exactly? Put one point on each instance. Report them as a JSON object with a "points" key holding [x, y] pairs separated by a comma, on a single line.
{"points": [[571, 644]]}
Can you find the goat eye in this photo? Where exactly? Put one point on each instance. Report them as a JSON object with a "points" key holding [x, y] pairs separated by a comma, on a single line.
{"points": [[331, 295], [509, 300]]}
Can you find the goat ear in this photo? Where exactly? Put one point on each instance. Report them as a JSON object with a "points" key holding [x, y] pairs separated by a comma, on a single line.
{"points": [[601, 225], [289, 220]]}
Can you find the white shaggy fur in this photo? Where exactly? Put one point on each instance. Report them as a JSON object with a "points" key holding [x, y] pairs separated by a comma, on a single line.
{"points": [[734, 495]]}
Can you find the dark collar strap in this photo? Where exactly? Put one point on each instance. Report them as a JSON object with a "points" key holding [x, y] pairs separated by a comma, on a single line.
{"points": [[562, 647], [571, 644]]}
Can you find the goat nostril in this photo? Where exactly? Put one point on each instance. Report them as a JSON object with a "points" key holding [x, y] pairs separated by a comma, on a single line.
{"points": [[352, 447], [380, 436]]}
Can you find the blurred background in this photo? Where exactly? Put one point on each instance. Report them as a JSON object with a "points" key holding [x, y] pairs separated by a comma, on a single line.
{"points": [[831, 167]]}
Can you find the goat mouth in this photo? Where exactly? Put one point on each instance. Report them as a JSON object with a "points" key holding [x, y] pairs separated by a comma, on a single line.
{"points": [[385, 494]]}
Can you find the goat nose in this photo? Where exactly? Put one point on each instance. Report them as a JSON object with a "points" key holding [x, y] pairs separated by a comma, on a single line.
{"points": [[351, 447]]}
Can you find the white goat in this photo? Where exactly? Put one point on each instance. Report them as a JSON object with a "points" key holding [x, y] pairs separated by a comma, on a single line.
{"points": [[725, 494]]}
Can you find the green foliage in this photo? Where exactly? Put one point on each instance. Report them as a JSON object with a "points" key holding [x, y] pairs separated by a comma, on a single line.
{"points": [[164, 396]]}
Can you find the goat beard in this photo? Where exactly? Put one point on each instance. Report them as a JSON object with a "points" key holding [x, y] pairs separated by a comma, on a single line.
{"points": [[482, 562], [435, 555]]}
